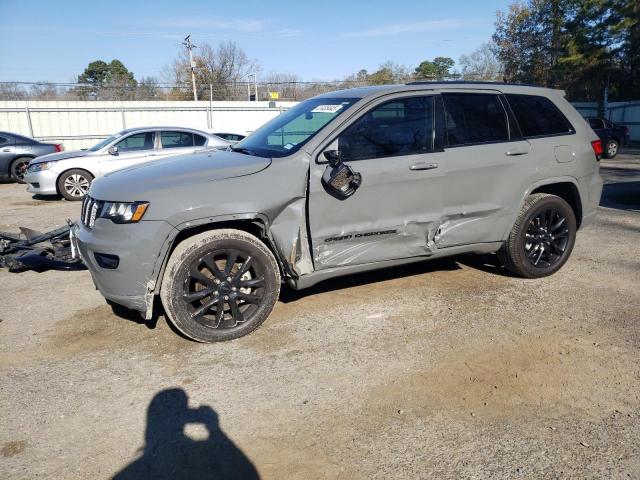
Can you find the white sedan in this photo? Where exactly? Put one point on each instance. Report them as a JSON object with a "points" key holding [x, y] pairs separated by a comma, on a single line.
{"points": [[70, 173]]}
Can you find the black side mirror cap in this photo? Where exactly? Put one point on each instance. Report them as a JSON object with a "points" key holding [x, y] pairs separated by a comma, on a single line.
{"points": [[334, 157], [341, 182]]}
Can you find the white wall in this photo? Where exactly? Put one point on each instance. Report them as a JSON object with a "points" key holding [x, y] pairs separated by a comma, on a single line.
{"points": [[82, 124]]}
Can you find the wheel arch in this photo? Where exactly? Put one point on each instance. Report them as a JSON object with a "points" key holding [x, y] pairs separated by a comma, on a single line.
{"points": [[17, 157], [566, 190], [72, 168], [255, 224], [564, 187]]}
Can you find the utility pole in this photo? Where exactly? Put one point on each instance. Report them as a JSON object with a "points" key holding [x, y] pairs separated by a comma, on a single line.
{"points": [[187, 43], [255, 87]]}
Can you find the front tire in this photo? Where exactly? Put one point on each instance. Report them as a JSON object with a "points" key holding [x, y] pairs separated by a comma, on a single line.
{"points": [[19, 168], [611, 148], [542, 237], [74, 184], [220, 285]]}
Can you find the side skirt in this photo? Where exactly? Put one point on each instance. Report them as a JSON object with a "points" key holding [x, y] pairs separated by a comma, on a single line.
{"points": [[311, 279]]}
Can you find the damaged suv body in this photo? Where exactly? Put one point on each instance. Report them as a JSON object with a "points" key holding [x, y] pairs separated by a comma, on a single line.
{"points": [[345, 182]]}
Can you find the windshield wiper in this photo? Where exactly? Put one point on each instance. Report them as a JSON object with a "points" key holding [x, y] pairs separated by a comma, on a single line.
{"points": [[246, 151]]}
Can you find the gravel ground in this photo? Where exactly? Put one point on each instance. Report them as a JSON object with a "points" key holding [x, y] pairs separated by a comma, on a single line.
{"points": [[445, 369]]}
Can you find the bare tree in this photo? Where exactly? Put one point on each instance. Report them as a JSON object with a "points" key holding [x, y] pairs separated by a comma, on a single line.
{"points": [[481, 64], [223, 66], [287, 85]]}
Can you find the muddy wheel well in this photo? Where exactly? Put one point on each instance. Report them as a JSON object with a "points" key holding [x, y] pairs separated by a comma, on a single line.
{"points": [[567, 191]]}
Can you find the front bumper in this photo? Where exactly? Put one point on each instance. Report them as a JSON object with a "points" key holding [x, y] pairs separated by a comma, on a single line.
{"points": [[140, 248], [42, 183]]}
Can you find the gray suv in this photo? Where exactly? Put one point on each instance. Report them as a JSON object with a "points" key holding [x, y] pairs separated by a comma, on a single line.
{"points": [[345, 182]]}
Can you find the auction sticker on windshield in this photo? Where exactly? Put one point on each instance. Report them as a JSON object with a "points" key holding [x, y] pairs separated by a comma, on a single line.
{"points": [[327, 108]]}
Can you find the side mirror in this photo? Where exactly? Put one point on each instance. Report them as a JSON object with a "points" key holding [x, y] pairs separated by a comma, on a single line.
{"points": [[113, 150], [340, 180], [334, 157]]}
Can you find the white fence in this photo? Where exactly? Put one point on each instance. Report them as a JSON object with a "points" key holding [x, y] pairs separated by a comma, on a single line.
{"points": [[623, 113], [82, 124]]}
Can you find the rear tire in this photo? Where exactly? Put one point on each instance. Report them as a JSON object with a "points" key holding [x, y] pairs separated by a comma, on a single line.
{"points": [[611, 148], [19, 168], [220, 285], [74, 184], [542, 237]]}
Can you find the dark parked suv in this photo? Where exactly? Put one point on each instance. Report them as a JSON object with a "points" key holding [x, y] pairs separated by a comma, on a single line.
{"points": [[613, 136], [17, 151], [346, 182]]}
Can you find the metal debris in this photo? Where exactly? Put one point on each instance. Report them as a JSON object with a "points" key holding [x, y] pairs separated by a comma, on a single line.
{"points": [[33, 250]]}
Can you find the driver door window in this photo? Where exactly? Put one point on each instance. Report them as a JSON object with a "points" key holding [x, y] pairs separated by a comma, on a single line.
{"points": [[136, 142], [395, 128]]}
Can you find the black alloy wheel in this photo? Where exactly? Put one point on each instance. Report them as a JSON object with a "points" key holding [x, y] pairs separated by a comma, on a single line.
{"points": [[542, 237], [223, 289], [546, 238], [220, 285], [19, 168]]}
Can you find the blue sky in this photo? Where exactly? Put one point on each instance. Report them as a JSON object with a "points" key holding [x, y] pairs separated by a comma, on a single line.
{"points": [[322, 40]]}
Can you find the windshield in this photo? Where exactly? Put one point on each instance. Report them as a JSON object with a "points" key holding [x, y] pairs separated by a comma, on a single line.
{"points": [[287, 132], [104, 142]]}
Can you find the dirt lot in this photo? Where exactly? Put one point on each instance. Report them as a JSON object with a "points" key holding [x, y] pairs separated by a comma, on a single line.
{"points": [[447, 369]]}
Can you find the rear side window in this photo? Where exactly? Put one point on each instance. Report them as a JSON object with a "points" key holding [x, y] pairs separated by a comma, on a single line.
{"points": [[3, 140], [176, 139], [538, 116], [398, 127], [474, 118], [198, 140]]}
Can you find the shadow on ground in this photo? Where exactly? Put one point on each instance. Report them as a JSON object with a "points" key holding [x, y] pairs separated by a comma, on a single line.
{"points": [[169, 453], [621, 195], [486, 263]]}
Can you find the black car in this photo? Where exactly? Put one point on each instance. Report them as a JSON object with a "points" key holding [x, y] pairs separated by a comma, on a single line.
{"points": [[17, 151], [613, 136]]}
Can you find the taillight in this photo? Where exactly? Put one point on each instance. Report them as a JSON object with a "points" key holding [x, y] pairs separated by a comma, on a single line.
{"points": [[59, 147], [597, 148]]}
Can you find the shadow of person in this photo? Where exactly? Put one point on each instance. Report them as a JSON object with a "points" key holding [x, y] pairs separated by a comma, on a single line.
{"points": [[169, 453]]}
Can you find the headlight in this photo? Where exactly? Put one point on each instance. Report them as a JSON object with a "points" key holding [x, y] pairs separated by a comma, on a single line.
{"points": [[123, 212], [38, 167]]}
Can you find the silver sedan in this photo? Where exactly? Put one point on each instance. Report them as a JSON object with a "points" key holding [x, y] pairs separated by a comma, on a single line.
{"points": [[70, 173]]}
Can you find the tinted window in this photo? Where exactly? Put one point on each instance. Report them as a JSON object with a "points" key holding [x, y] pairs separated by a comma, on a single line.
{"points": [[19, 139], [3, 140], [398, 127], [596, 123], [474, 118], [538, 116], [139, 141], [176, 139], [199, 140]]}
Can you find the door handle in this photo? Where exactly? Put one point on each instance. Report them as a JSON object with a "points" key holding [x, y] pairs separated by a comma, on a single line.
{"points": [[515, 152], [423, 166], [6, 149]]}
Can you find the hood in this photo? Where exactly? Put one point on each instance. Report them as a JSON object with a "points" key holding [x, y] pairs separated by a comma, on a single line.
{"points": [[52, 157], [140, 181]]}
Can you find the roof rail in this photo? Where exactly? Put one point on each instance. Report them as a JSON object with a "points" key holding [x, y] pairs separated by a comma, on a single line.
{"points": [[472, 82]]}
